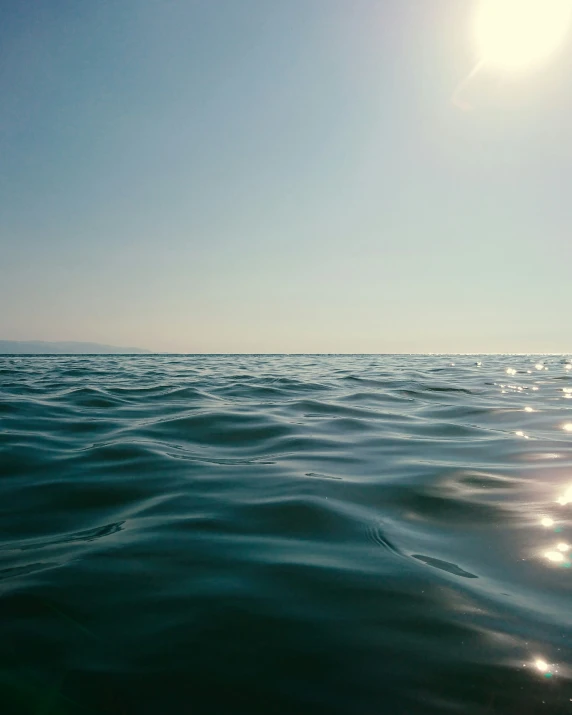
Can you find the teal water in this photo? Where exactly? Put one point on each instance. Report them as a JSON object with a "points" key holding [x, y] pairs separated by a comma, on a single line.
{"points": [[285, 534]]}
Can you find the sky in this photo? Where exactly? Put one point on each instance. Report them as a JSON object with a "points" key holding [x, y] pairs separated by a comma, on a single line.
{"points": [[271, 176]]}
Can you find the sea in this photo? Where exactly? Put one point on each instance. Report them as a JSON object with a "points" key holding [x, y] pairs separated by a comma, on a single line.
{"points": [[286, 534]]}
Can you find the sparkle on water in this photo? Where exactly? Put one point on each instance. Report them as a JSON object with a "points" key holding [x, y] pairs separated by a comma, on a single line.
{"points": [[542, 665], [555, 556], [565, 498]]}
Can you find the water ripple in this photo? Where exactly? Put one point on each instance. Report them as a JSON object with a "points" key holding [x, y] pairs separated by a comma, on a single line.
{"points": [[309, 534]]}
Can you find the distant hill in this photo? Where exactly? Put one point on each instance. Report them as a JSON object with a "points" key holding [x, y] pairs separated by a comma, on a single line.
{"points": [[40, 347]]}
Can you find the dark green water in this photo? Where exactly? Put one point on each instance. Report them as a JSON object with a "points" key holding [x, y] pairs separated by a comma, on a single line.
{"points": [[285, 534]]}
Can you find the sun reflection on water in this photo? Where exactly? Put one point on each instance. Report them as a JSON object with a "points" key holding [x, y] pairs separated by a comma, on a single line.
{"points": [[553, 551], [558, 553]]}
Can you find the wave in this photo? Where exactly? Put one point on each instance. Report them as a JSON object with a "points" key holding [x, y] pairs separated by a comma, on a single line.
{"points": [[313, 534]]}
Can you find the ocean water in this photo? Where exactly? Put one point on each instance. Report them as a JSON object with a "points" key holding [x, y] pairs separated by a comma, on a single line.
{"points": [[370, 535]]}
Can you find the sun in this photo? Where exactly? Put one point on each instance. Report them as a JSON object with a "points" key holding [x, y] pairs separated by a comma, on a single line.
{"points": [[514, 34]]}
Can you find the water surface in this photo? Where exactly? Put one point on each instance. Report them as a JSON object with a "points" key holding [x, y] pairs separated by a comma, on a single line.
{"points": [[285, 534]]}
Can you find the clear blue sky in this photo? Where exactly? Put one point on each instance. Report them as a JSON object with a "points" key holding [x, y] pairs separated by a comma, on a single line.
{"points": [[293, 176]]}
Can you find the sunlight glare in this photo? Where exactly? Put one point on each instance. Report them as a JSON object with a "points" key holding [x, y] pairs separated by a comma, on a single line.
{"points": [[513, 34]]}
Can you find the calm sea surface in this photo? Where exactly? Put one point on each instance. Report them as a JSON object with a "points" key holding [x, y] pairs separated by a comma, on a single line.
{"points": [[364, 535]]}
